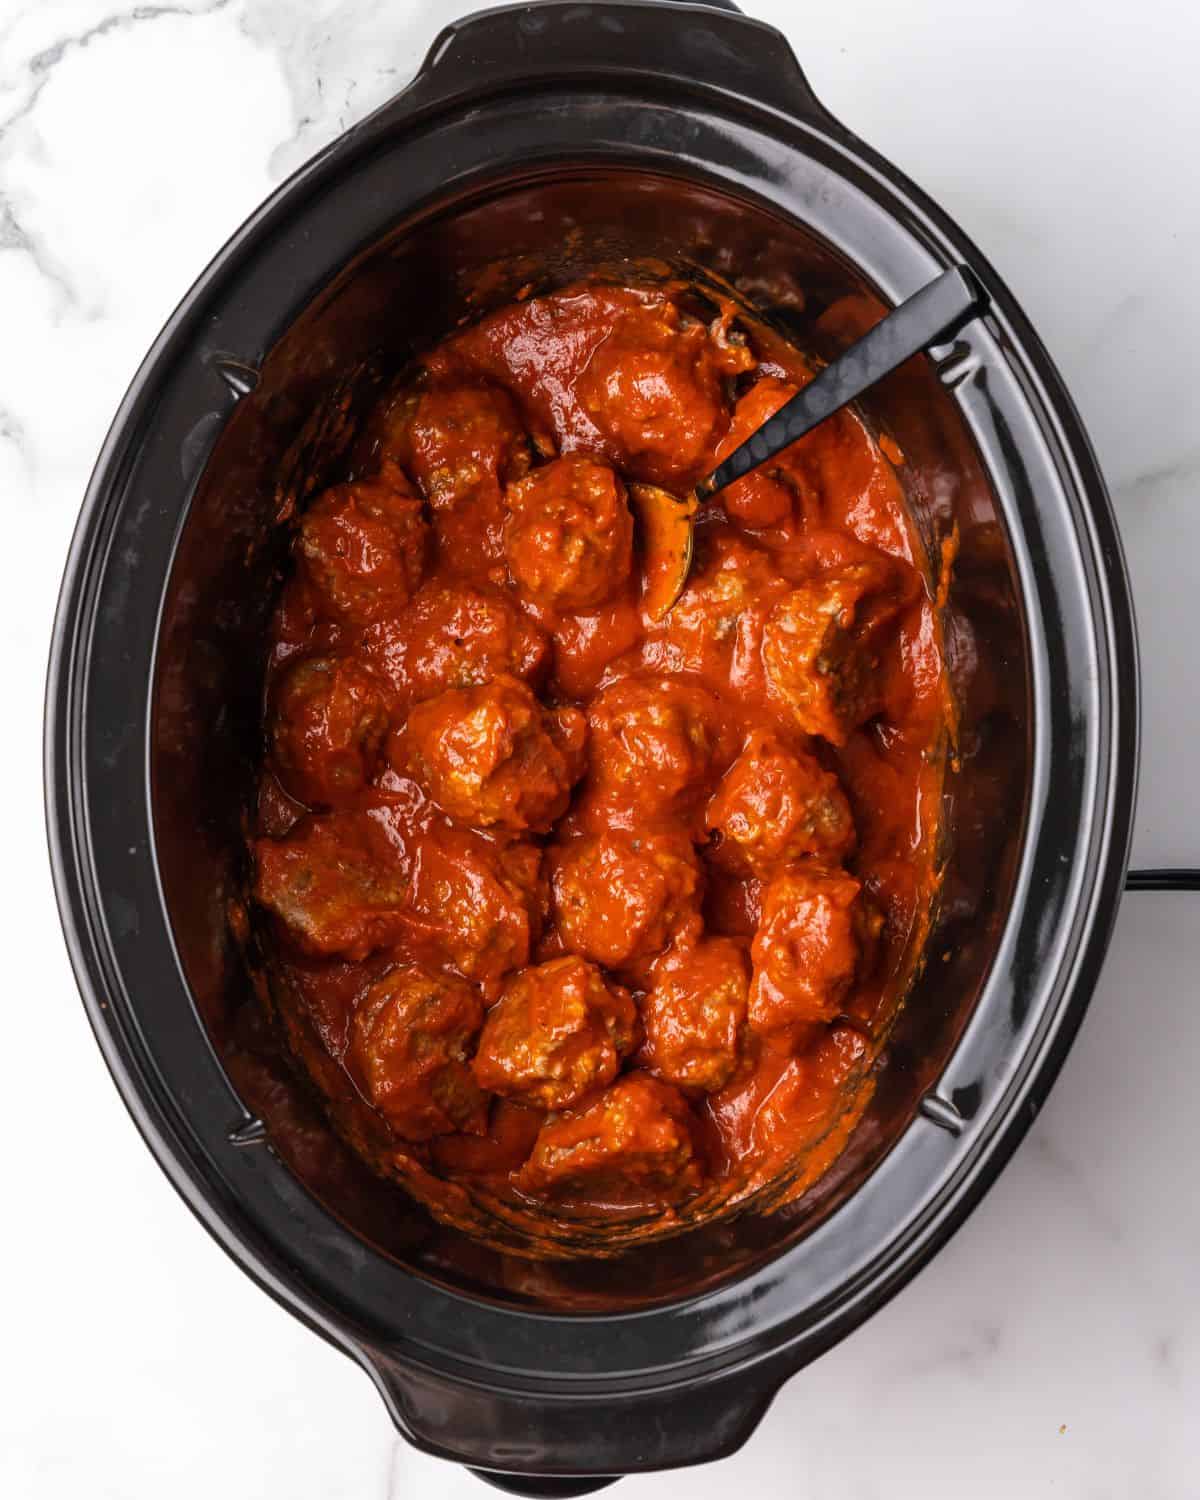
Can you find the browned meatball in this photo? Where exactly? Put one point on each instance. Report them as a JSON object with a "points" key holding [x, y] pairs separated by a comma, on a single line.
{"points": [[461, 441], [695, 1014], [807, 948], [493, 756], [456, 636], [656, 743], [621, 897], [328, 729], [363, 549], [411, 1043], [636, 1141], [819, 648], [568, 536], [775, 805], [557, 1032], [475, 904], [653, 390], [335, 883]]}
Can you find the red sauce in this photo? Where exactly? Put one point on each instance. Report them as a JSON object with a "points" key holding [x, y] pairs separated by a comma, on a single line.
{"points": [[589, 927]]}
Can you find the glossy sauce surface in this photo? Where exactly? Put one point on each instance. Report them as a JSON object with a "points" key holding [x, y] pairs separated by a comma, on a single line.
{"points": [[589, 927]]}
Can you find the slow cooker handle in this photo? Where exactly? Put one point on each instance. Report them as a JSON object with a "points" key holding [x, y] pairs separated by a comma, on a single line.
{"points": [[494, 1429], [706, 45]]}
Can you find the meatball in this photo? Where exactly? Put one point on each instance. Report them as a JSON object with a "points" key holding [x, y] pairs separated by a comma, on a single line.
{"points": [[411, 1043], [475, 904], [803, 1103], [763, 497], [731, 581], [493, 756], [819, 652], [568, 536], [653, 390], [461, 441], [328, 729], [775, 806], [636, 1140], [695, 1014], [621, 897], [807, 948], [656, 742], [363, 549], [456, 636], [557, 1032], [335, 883]]}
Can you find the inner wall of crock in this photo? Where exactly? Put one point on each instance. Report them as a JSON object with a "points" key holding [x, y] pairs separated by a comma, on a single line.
{"points": [[402, 295]]}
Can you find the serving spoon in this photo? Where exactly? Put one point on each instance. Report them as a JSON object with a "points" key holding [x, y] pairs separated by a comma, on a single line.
{"points": [[928, 317]]}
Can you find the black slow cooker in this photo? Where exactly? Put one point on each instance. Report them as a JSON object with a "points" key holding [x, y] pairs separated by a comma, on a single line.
{"points": [[536, 140]]}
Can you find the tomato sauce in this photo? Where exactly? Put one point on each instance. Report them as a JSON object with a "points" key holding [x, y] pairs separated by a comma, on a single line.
{"points": [[590, 926]]}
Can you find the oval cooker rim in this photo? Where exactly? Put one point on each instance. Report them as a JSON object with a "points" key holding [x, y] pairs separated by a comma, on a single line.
{"points": [[1069, 554]]}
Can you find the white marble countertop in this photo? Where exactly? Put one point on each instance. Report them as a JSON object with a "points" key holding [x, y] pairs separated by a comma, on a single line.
{"points": [[1054, 1347]]}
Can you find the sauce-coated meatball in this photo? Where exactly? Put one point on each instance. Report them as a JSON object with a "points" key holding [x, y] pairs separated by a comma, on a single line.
{"points": [[462, 441], [804, 1100], [636, 1140], [653, 389], [363, 549], [493, 756], [818, 652], [732, 584], [558, 1031], [807, 947], [411, 1042], [479, 905], [335, 883], [328, 730], [620, 897], [695, 1014], [568, 536], [455, 636], [656, 742], [776, 805]]}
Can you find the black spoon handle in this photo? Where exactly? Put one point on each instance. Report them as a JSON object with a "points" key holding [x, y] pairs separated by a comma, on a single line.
{"points": [[930, 316]]}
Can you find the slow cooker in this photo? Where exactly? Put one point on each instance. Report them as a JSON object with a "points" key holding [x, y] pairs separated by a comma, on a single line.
{"points": [[535, 140]]}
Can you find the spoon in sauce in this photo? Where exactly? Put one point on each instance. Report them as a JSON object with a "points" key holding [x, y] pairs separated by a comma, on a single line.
{"points": [[928, 317]]}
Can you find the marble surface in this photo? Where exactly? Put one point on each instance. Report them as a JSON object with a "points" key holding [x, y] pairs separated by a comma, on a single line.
{"points": [[1054, 1347]]}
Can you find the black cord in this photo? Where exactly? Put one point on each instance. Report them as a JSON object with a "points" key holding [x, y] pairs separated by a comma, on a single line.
{"points": [[1162, 880]]}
